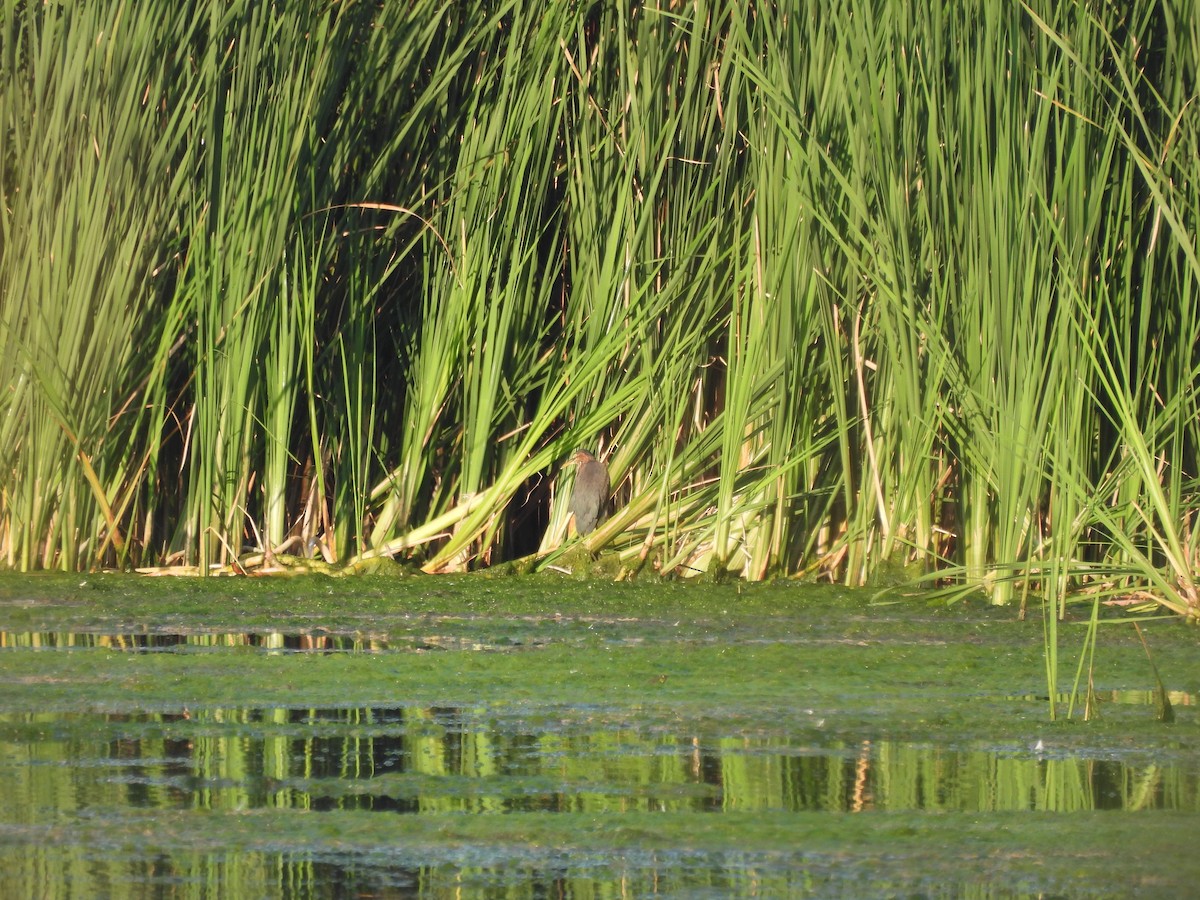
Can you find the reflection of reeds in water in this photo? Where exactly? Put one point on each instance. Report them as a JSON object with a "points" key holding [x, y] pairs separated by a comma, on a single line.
{"points": [[160, 642], [829, 297], [469, 761]]}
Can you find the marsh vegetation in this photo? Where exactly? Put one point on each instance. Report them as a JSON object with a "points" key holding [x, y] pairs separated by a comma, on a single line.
{"points": [[831, 288]]}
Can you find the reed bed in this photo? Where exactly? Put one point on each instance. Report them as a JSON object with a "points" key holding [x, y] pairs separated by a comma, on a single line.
{"points": [[837, 289]]}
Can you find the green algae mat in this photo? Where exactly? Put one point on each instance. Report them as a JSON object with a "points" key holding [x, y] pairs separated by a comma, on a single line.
{"points": [[532, 737]]}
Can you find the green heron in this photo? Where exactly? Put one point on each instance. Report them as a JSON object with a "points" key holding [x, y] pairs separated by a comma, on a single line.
{"points": [[589, 500]]}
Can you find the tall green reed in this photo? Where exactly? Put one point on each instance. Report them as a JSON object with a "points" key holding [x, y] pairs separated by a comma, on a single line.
{"points": [[831, 288], [94, 134]]}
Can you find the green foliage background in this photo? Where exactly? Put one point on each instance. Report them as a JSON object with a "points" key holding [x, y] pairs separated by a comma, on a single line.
{"points": [[833, 287]]}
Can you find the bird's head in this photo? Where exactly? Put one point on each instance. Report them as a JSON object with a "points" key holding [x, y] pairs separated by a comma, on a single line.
{"points": [[579, 457]]}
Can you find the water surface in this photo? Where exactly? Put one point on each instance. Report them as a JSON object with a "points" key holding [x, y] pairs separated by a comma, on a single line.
{"points": [[389, 743]]}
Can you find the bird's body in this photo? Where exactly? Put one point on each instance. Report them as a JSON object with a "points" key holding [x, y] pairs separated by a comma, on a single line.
{"points": [[589, 499]]}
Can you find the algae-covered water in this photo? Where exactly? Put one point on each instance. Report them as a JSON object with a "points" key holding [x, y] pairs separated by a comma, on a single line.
{"points": [[546, 737]]}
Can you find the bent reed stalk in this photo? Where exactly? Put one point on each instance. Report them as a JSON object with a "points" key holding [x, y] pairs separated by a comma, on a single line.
{"points": [[834, 289]]}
